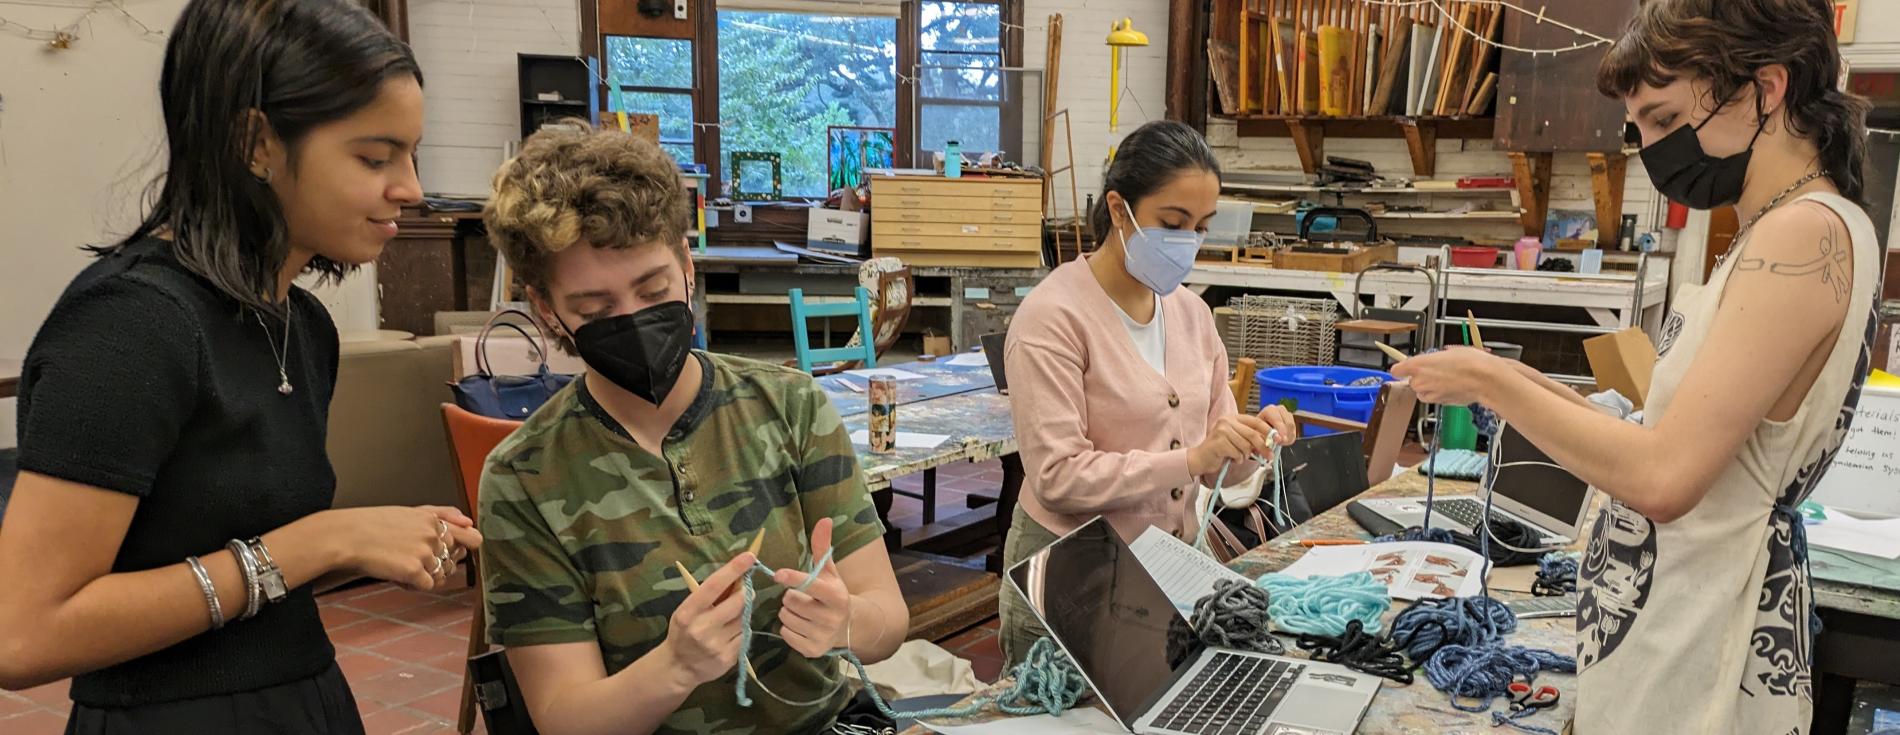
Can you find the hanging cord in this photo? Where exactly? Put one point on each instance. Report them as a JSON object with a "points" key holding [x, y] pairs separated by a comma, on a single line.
{"points": [[1236, 616], [1220, 481], [1326, 605], [1046, 682], [1459, 642], [1360, 651]]}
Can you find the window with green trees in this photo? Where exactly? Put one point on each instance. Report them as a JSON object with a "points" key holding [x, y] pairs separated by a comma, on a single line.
{"points": [[786, 77]]}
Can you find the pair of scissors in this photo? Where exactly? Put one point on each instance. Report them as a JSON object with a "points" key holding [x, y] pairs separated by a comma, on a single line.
{"points": [[1525, 697]]}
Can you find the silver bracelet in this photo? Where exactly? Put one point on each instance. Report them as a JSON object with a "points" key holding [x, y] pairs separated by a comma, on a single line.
{"points": [[211, 593], [253, 599], [270, 579]]}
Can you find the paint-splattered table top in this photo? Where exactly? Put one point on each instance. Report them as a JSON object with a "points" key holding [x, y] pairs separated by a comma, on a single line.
{"points": [[940, 379], [1417, 709], [977, 423], [1856, 583]]}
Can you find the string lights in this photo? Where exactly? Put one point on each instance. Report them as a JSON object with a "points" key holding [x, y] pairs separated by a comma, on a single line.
{"points": [[63, 37]]}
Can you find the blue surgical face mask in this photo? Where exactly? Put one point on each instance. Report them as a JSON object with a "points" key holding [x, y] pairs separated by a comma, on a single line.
{"points": [[1158, 257]]}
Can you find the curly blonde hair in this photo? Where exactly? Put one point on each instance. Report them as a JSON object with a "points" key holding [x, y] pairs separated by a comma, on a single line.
{"points": [[573, 184]]}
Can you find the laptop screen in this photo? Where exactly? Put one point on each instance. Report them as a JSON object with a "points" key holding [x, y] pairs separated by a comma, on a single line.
{"points": [[1111, 617], [1551, 491]]}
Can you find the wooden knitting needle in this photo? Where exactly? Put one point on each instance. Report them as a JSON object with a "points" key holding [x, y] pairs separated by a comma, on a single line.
{"points": [[1477, 338], [1391, 352], [1312, 542], [757, 542], [692, 585]]}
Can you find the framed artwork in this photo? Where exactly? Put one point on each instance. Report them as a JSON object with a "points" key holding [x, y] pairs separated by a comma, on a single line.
{"points": [[849, 150], [756, 177]]}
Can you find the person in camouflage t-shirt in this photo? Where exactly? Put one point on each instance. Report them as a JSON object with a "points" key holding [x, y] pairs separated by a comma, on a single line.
{"points": [[657, 458]]}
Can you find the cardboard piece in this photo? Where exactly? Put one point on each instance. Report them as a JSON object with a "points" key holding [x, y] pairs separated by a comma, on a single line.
{"points": [[937, 344], [1622, 361]]}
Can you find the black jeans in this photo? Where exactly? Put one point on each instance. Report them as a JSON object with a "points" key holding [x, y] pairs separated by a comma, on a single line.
{"points": [[319, 705]]}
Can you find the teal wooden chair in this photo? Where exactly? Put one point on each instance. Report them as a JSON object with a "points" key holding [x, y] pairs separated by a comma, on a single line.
{"points": [[802, 313]]}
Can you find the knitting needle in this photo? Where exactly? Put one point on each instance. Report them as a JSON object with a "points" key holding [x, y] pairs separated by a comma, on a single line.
{"points": [[1312, 542], [1391, 352], [692, 585], [1477, 337]]}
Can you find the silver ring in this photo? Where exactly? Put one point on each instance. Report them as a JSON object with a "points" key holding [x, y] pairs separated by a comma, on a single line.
{"points": [[441, 527], [438, 569], [442, 552]]}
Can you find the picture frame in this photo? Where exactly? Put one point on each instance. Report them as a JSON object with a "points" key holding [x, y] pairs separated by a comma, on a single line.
{"points": [[749, 169]]}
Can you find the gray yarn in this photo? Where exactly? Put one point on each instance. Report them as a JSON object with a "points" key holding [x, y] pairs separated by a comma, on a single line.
{"points": [[1235, 616]]}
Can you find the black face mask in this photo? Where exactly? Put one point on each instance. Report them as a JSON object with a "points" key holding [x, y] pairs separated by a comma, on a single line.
{"points": [[1684, 173], [642, 352]]}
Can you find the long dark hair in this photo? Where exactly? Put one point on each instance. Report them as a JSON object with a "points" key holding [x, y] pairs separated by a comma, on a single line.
{"points": [[302, 63], [1147, 160], [1726, 42]]}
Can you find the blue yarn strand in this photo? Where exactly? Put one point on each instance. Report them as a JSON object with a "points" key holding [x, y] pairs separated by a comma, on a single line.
{"points": [[1046, 682], [1325, 605], [1459, 642], [1220, 481]]}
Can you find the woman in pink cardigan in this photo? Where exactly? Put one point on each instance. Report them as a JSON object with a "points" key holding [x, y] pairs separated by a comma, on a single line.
{"points": [[1118, 380]]}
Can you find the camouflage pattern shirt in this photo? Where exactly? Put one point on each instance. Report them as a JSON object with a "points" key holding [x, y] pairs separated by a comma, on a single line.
{"points": [[582, 526]]}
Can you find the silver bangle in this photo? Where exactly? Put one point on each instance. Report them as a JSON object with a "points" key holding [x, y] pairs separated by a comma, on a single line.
{"points": [[211, 592], [270, 578], [253, 599]]}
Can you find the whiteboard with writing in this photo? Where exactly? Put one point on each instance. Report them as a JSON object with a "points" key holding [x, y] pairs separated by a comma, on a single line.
{"points": [[1865, 476]]}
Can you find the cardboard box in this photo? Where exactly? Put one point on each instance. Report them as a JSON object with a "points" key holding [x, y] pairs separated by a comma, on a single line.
{"points": [[835, 231], [1623, 361]]}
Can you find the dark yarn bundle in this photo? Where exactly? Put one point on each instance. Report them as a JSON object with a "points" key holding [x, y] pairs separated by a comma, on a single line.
{"points": [[1503, 529], [1556, 575], [1360, 651], [1459, 643], [1434, 623], [1235, 616]]}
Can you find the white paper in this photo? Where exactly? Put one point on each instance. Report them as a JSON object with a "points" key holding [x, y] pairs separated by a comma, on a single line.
{"points": [[1078, 721], [1185, 574], [1409, 569], [892, 373], [968, 359], [905, 439], [1843, 532]]}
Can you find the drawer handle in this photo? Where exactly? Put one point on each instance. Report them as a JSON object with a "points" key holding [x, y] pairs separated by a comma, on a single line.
{"points": [[911, 189], [914, 243], [912, 230], [912, 216]]}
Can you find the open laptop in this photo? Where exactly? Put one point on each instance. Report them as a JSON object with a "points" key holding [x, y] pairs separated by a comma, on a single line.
{"points": [[1548, 499], [1150, 669]]}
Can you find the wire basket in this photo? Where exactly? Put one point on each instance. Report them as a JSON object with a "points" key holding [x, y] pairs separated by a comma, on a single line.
{"points": [[1277, 331]]}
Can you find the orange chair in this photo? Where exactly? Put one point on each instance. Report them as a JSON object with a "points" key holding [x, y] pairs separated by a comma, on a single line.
{"points": [[471, 438]]}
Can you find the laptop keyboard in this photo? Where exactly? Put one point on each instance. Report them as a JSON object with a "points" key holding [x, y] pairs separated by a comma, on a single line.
{"points": [[1466, 511], [1232, 695]]}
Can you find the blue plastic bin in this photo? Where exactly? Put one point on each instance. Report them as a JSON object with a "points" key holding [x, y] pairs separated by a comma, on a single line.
{"points": [[1322, 390]]}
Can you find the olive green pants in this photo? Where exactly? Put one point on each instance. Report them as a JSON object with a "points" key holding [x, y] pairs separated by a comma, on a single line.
{"points": [[1020, 628]]}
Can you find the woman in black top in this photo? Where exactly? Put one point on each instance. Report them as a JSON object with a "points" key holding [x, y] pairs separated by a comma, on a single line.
{"points": [[173, 405]]}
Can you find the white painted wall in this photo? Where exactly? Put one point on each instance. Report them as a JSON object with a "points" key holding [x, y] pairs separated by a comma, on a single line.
{"points": [[78, 129], [471, 108], [1084, 85], [80, 136]]}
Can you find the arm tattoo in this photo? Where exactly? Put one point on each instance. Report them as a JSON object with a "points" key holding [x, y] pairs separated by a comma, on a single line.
{"points": [[1834, 263]]}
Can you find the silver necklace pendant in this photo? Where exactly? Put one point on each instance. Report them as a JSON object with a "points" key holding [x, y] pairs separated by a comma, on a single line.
{"points": [[284, 387]]}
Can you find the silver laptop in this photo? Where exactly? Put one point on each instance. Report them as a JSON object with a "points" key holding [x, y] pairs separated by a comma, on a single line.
{"points": [[1150, 670], [1548, 499]]}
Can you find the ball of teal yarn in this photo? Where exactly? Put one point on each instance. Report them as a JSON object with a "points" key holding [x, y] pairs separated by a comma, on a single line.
{"points": [[1323, 605]]}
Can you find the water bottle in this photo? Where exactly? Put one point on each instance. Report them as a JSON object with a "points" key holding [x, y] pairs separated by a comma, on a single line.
{"points": [[952, 160]]}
